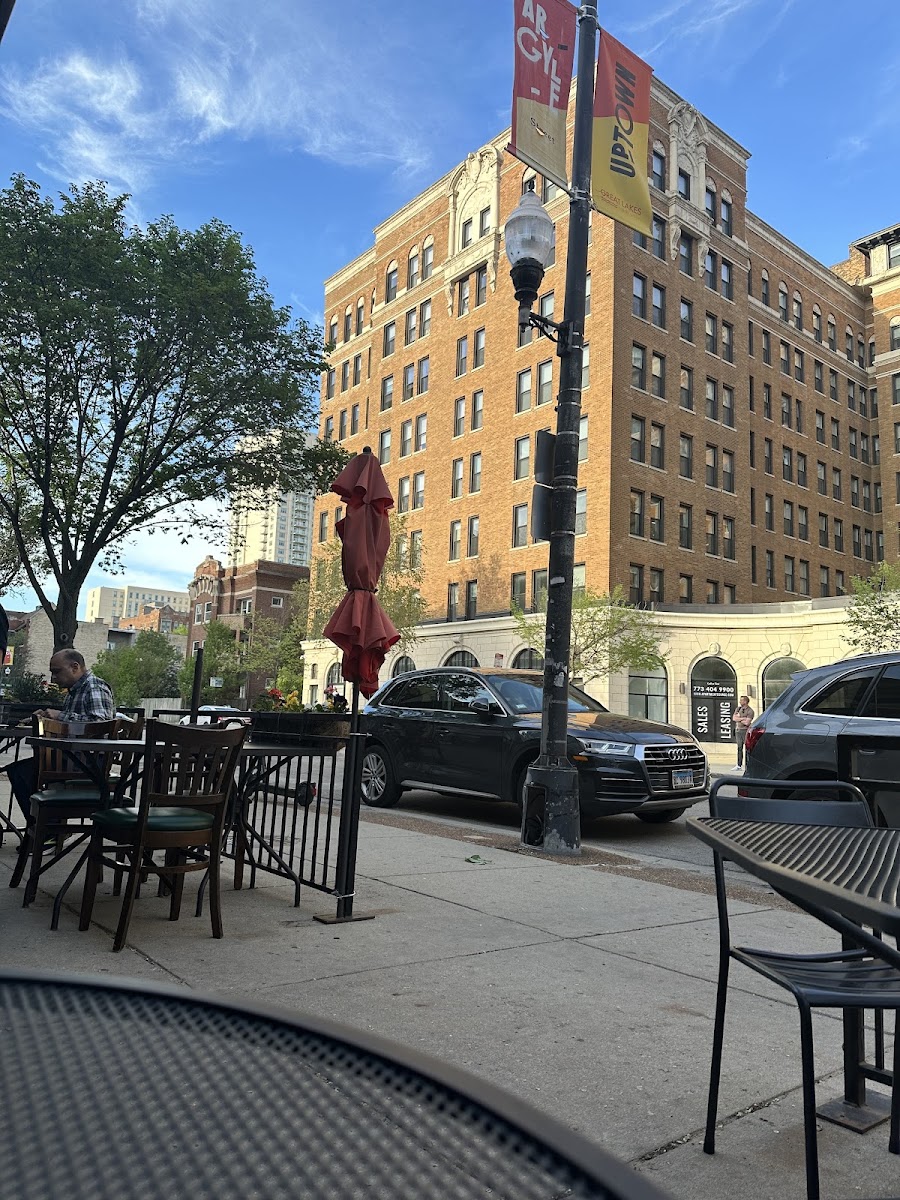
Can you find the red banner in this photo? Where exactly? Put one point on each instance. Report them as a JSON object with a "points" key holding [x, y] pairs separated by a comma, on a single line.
{"points": [[544, 59], [619, 185]]}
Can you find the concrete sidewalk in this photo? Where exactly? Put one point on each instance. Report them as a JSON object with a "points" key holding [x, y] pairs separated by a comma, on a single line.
{"points": [[587, 990]]}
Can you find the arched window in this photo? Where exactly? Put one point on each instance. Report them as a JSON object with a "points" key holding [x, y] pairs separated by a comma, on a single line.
{"points": [[412, 268], [529, 179], [777, 676], [528, 660], [348, 323], [895, 338], [764, 294], [648, 695], [461, 658], [797, 311], [782, 302], [360, 315], [713, 699], [403, 664], [390, 282], [333, 330], [817, 323], [832, 333], [427, 257], [334, 679]]}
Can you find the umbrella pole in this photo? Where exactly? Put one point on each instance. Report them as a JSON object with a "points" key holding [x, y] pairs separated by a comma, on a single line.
{"points": [[348, 833]]}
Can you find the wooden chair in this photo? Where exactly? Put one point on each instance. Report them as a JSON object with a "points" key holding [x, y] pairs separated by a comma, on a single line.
{"points": [[849, 978], [62, 803], [186, 783]]}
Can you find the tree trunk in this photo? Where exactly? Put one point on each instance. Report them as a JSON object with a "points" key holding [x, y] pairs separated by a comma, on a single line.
{"points": [[65, 622]]}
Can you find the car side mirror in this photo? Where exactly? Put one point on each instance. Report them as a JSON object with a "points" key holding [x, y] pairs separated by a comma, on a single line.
{"points": [[485, 709]]}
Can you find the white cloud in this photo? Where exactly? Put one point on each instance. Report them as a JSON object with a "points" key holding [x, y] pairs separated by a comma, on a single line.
{"points": [[700, 26], [199, 72]]}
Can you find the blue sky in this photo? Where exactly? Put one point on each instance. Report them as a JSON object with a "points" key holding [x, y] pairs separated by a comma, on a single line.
{"points": [[303, 125]]}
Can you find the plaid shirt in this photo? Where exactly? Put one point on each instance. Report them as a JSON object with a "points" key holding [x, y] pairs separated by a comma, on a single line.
{"points": [[89, 700]]}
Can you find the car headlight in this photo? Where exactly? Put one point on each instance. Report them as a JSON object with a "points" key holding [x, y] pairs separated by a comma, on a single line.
{"points": [[616, 748]]}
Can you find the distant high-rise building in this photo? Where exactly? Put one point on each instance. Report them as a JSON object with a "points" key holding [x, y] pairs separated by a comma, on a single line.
{"points": [[279, 532], [113, 605]]}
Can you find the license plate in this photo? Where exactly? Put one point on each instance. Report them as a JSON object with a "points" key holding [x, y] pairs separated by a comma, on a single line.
{"points": [[682, 779]]}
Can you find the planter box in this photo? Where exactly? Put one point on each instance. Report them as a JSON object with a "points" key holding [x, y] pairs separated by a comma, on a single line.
{"points": [[321, 731]]}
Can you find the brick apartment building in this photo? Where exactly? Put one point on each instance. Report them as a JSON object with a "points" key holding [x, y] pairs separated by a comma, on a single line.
{"points": [[232, 594], [158, 618], [740, 443]]}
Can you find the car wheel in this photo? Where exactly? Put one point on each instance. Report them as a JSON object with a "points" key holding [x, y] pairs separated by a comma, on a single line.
{"points": [[660, 816], [378, 788]]}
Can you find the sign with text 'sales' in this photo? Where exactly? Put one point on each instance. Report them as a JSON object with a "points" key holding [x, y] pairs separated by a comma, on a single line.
{"points": [[542, 79], [619, 186]]}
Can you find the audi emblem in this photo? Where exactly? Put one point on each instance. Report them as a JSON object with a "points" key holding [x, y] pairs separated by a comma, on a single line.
{"points": [[679, 754]]}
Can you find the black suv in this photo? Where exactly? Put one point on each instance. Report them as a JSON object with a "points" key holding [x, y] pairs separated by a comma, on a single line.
{"points": [[473, 733]]}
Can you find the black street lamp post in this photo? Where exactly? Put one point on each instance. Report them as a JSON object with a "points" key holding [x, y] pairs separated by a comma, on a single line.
{"points": [[551, 816]]}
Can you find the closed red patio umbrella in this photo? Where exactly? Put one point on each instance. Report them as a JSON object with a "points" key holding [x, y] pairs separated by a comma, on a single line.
{"points": [[359, 625]]}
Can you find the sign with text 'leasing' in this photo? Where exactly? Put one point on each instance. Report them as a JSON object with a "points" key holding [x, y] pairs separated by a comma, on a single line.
{"points": [[619, 186], [542, 79]]}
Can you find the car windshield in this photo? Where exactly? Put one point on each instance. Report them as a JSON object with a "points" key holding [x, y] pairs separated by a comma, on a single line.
{"points": [[524, 694]]}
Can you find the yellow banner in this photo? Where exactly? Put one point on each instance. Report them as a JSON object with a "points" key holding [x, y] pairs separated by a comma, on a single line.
{"points": [[619, 185]]}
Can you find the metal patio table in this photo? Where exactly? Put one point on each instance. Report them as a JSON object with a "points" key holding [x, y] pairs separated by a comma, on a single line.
{"points": [[120, 1088], [845, 877]]}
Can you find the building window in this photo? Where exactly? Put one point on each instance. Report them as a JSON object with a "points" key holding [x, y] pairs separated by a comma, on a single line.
{"points": [[419, 490], [685, 527], [709, 271], [520, 525], [462, 297], [657, 519], [684, 184], [462, 356], [728, 545], [409, 382], [818, 376], [480, 287], [406, 438], [423, 375], [465, 237], [517, 592], [658, 170], [687, 320], [412, 269], [727, 470], [390, 338], [384, 446], [522, 458], [639, 297], [323, 526], [658, 376], [636, 584], [685, 589], [472, 538], [636, 525], [329, 384], [782, 302], [454, 549], [685, 456], [424, 318], [638, 444], [728, 406], [835, 434], [478, 360], [712, 399], [788, 518], [824, 582], [657, 446], [764, 288], [475, 472], [587, 295], [712, 533], [345, 375], [839, 535], [452, 601], [456, 478], [421, 431], [712, 333], [477, 409], [459, 416], [725, 217], [659, 306], [403, 494], [639, 370], [727, 342], [767, 347], [801, 469], [788, 573], [712, 591], [538, 588], [582, 439], [658, 238], [410, 327], [581, 511], [727, 276], [471, 599], [686, 254], [523, 390], [390, 284], [484, 222], [686, 390], [354, 419], [545, 382]]}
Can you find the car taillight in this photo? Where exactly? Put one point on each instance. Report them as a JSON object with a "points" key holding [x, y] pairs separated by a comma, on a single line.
{"points": [[753, 736]]}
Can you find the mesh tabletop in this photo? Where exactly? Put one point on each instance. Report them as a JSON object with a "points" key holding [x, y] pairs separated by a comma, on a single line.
{"points": [[118, 1090], [852, 871]]}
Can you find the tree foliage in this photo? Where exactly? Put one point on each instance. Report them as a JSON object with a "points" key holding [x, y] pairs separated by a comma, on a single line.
{"points": [[274, 649], [608, 635], [399, 589], [142, 371], [221, 659], [147, 668], [873, 615]]}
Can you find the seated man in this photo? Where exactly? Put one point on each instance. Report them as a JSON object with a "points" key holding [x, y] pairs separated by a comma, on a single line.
{"points": [[89, 698]]}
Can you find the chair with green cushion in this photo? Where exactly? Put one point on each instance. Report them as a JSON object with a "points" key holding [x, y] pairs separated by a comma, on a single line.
{"points": [[186, 782], [63, 801]]}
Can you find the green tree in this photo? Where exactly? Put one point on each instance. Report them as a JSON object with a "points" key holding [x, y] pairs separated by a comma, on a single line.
{"points": [[608, 635], [873, 615], [221, 659], [142, 371], [399, 589], [147, 668]]}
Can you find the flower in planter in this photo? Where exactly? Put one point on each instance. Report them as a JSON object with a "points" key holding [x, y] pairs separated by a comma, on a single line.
{"points": [[266, 701]]}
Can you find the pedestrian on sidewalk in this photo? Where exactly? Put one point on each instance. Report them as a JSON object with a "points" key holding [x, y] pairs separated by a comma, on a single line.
{"points": [[742, 719]]}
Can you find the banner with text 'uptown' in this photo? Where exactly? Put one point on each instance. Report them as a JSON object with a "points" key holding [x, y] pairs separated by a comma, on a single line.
{"points": [[544, 58], [619, 186]]}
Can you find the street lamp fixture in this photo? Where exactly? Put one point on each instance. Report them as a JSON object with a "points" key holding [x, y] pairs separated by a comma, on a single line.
{"points": [[529, 237]]}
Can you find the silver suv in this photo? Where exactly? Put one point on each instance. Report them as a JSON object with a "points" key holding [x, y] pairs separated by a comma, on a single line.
{"points": [[836, 722]]}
